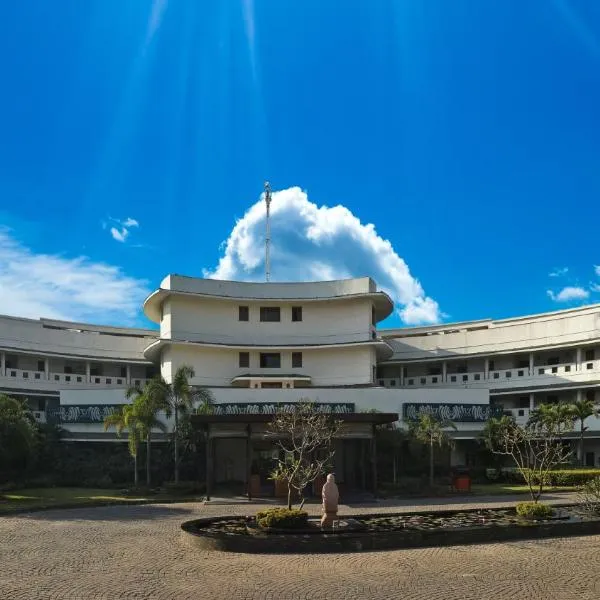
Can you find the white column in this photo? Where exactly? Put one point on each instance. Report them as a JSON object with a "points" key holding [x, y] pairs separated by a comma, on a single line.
{"points": [[444, 371], [128, 367], [578, 359], [531, 401], [47, 368], [531, 364], [88, 377], [486, 368], [2, 363], [401, 375]]}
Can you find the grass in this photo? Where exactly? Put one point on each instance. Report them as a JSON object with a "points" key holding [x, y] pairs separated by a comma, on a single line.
{"points": [[41, 498], [493, 489]]}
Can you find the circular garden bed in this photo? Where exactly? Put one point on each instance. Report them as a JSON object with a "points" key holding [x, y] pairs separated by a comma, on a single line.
{"points": [[386, 531]]}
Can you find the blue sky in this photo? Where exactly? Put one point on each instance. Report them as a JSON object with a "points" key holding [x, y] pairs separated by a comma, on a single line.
{"points": [[135, 135]]}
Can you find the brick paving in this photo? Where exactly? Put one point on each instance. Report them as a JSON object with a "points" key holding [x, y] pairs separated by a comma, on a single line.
{"points": [[139, 553]]}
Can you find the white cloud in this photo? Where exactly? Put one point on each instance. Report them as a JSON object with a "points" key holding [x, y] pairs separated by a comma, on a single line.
{"points": [[569, 293], [597, 270], [311, 242], [48, 285], [559, 272], [121, 233], [120, 236]]}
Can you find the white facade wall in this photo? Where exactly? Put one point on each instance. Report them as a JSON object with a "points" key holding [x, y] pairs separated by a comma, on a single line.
{"points": [[217, 321], [326, 366]]}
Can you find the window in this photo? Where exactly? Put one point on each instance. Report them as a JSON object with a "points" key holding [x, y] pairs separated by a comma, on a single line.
{"points": [[553, 360], [270, 314], [491, 365], [41, 365], [296, 360], [68, 370], [243, 313], [589, 354], [590, 395], [270, 360], [123, 371], [297, 314], [244, 359], [95, 370]]}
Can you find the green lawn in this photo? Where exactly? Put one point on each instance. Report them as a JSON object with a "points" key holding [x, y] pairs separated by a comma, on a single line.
{"points": [[491, 489], [39, 498]]}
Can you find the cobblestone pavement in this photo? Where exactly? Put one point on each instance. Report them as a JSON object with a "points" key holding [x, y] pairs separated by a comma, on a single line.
{"points": [[139, 553]]}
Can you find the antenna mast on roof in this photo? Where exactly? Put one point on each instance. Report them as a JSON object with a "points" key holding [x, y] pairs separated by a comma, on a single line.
{"points": [[268, 232]]}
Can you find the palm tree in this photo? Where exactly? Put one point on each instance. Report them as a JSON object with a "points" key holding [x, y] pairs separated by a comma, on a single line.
{"points": [[430, 430], [581, 409], [125, 418], [178, 398], [555, 417], [146, 408]]}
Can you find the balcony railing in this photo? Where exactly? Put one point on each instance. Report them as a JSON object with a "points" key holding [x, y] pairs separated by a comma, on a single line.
{"points": [[27, 376], [498, 377]]}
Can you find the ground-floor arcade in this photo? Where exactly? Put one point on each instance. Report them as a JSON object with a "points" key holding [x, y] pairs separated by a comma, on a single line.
{"points": [[241, 453]]}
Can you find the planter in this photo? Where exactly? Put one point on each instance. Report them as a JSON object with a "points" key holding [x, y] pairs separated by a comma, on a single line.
{"points": [[254, 486]]}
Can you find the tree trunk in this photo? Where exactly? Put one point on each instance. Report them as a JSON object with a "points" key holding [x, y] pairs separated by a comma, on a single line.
{"points": [[394, 469], [135, 470], [176, 444], [289, 496], [148, 446], [581, 457], [431, 464]]}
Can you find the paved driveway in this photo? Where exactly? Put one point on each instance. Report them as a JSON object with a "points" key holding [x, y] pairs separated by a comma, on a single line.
{"points": [[138, 553]]}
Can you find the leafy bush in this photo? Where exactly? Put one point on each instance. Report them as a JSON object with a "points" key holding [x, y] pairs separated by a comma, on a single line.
{"points": [[534, 510], [282, 518], [183, 488]]}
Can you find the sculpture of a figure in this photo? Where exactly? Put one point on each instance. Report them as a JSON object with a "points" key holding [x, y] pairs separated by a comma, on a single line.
{"points": [[331, 496]]}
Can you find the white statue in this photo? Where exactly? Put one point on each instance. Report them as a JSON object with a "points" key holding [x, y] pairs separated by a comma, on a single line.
{"points": [[331, 497]]}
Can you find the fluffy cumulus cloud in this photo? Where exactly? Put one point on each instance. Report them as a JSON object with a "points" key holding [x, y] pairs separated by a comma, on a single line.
{"points": [[46, 285], [311, 242], [120, 233], [569, 294]]}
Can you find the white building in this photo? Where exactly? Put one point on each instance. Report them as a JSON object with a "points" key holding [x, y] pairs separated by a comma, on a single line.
{"points": [[260, 343]]}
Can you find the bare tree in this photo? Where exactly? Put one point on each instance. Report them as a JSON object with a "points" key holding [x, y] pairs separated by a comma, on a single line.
{"points": [[306, 437], [535, 449]]}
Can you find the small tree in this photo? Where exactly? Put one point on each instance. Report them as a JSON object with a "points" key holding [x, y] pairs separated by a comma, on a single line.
{"points": [[535, 449], [306, 437], [177, 399], [146, 408], [429, 430], [580, 410], [18, 436], [125, 418]]}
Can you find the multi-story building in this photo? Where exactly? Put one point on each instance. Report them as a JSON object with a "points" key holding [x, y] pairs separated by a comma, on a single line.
{"points": [[257, 344]]}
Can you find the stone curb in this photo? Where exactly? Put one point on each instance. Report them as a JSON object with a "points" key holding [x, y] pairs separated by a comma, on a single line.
{"points": [[357, 541]]}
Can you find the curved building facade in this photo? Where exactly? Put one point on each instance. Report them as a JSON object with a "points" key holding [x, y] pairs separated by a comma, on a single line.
{"points": [[265, 343]]}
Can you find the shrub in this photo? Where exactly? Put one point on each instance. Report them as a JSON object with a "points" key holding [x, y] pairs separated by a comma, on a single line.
{"points": [[589, 497], [534, 510], [282, 518], [183, 488]]}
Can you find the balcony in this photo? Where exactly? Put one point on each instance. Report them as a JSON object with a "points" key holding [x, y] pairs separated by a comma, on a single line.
{"points": [[587, 371]]}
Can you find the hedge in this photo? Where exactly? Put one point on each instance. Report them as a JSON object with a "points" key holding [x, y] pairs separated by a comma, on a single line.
{"points": [[559, 477]]}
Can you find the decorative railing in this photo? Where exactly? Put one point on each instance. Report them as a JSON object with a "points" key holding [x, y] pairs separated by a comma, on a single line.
{"points": [[82, 413], [459, 413], [270, 408]]}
